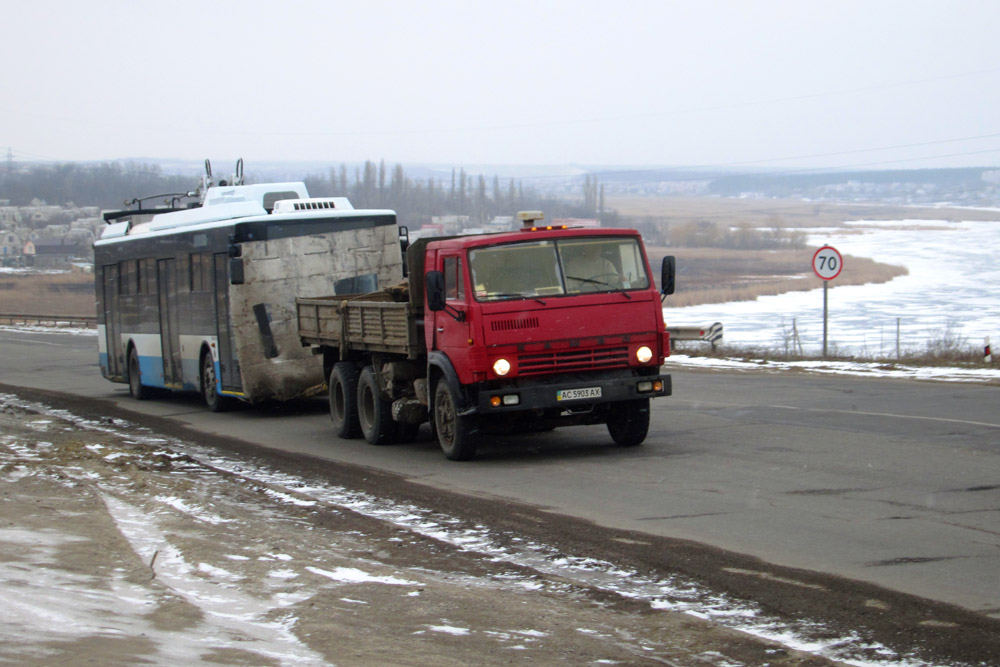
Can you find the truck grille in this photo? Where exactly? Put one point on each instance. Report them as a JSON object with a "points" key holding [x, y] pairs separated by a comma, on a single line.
{"points": [[514, 324], [572, 360]]}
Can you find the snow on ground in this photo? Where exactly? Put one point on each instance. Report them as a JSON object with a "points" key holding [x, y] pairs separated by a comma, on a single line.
{"points": [[951, 291], [860, 369], [191, 528], [25, 271], [57, 329]]}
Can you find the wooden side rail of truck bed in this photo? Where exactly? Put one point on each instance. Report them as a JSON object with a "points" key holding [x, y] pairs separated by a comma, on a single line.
{"points": [[370, 322]]}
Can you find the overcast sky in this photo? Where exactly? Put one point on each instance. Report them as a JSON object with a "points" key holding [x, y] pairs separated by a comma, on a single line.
{"points": [[768, 83]]}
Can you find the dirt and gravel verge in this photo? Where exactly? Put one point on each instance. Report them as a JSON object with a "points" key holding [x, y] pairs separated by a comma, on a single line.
{"points": [[126, 542], [120, 549]]}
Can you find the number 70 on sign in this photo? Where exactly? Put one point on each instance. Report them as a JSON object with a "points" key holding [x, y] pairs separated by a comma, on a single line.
{"points": [[827, 263]]}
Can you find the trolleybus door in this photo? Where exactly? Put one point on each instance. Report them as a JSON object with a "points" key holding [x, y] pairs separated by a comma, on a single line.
{"points": [[112, 327], [229, 372], [170, 338]]}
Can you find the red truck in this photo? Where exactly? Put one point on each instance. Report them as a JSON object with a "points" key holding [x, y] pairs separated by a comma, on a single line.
{"points": [[525, 330]]}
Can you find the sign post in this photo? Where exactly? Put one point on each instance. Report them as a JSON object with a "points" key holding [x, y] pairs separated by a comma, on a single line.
{"points": [[827, 264]]}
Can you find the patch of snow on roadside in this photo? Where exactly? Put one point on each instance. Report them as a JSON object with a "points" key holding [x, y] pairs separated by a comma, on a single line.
{"points": [[674, 594], [350, 575], [230, 618], [32, 328], [276, 639], [855, 368], [194, 512], [449, 630]]}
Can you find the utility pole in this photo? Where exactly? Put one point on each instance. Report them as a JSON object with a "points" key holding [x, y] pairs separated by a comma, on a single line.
{"points": [[10, 160]]}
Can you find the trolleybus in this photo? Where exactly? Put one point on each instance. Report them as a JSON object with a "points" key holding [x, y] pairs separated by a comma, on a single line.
{"points": [[202, 298]]}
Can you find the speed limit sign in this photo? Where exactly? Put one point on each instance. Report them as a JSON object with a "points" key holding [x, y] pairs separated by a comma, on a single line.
{"points": [[827, 263]]}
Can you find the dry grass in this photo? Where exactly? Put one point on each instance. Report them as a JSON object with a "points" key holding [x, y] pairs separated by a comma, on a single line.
{"points": [[705, 275], [714, 275], [70, 294], [775, 212], [943, 349]]}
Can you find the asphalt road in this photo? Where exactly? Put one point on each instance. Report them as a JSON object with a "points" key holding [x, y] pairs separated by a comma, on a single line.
{"points": [[891, 482]]}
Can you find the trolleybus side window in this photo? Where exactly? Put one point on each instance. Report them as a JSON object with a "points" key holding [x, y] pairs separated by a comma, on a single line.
{"points": [[128, 275], [201, 272], [147, 276]]}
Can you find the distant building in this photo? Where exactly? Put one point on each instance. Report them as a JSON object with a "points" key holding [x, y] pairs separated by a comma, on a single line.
{"points": [[41, 215], [10, 215], [54, 255], [450, 224], [10, 244], [431, 229], [501, 223]]}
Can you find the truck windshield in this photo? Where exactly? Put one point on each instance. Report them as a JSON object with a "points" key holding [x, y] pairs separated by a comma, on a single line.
{"points": [[534, 269]]}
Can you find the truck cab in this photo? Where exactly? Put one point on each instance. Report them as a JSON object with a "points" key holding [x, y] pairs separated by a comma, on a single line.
{"points": [[539, 328]]}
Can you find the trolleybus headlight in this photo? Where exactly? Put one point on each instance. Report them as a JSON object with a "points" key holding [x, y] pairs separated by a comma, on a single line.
{"points": [[501, 367], [644, 354]]}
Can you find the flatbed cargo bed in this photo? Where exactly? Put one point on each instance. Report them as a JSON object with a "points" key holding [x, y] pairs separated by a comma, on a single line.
{"points": [[373, 322]]}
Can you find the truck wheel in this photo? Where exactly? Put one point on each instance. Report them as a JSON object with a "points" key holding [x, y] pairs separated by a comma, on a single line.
{"points": [[135, 387], [344, 400], [214, 402], [628, 423], [374, 413], [454, 432]]}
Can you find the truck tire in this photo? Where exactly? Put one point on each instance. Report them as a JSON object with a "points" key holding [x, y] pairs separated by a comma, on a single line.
{"points": [[343, 386], [374, 413], [628, 422], [455, 433]]}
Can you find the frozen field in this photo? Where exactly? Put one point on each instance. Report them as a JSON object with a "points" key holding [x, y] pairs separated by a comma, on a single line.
{"points": [[951, 292]]}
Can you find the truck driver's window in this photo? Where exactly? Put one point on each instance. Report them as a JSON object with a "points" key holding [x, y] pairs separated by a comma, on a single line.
{"points": [[453, 278]]}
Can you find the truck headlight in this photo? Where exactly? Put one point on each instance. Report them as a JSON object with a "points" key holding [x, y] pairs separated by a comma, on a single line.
{"points": [[644, 354], [501, 367]]}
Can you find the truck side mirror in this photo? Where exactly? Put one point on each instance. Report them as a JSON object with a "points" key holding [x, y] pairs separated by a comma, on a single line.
{"points": [[434, 286], [404, 243], [668, 273]]}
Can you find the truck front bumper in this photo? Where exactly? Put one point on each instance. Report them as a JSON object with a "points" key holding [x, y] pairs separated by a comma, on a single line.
{"points": [[575, 392]]}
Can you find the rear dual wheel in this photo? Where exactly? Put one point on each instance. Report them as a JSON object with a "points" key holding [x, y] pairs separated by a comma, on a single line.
{"points": [[357, 408], [374, 412], [343, 387]]}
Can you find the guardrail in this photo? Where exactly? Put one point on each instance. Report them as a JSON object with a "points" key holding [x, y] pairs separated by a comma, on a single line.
{"points": [[710, 334], [89, 321]]}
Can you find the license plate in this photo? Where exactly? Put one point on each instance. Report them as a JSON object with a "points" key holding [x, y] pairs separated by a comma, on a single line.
{"points": [[577, 394]]}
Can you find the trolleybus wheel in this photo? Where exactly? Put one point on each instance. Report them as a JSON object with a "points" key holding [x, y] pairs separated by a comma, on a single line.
{"points": [[214, 402], [135, 387]]}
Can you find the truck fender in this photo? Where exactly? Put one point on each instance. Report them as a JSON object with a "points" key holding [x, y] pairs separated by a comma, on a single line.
{"points": [[439, 365]]}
